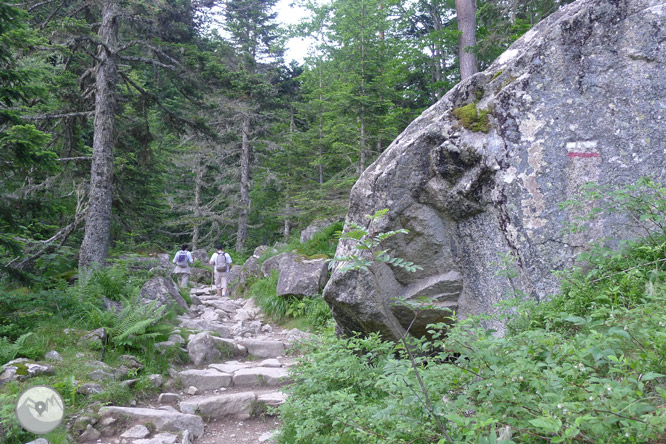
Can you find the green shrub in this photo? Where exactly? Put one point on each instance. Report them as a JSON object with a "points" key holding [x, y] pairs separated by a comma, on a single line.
{"points": [[595, 379], [264, 292], [22, 310], [311, 313], [113, 283], [584, 367], [323, 242]]}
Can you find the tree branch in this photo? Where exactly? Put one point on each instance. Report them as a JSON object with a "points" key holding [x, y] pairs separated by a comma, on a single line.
{"points": [[148, 61], [59, 116]]}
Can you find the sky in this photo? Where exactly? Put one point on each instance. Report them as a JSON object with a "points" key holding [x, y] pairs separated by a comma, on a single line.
{"points": [[296, 48]]}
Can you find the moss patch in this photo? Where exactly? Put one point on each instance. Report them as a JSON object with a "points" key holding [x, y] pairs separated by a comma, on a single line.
{"points": [[21, 369], [472, 119], [497, 74]]}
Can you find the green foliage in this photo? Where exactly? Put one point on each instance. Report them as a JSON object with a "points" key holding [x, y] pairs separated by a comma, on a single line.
{"points": [[323, 242], [311, 313], [472, 119], [586, 366], [137, 325], [9, 350], [113, 283], [9, 426], [365, 243], [593, 379], [22, 310]]}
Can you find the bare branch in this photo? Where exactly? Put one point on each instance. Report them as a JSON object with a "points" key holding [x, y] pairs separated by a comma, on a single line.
{"points": [[67, 159], [149, 61], [59, 116], [40, 4]]}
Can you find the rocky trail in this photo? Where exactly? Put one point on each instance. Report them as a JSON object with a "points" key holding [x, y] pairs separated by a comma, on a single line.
{"points": [[223, 396]]}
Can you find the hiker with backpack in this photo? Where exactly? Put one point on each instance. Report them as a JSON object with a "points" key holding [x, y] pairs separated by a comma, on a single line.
{"points": [[221, 264], [183, 259]]}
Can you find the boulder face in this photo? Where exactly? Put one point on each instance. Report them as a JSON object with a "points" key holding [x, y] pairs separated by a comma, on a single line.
{"points": [[302, 277], [163, 290], [578, 98]]}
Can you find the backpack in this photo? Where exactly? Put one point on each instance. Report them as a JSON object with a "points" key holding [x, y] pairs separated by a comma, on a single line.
{"points": [[181, 259], [221, 267]]}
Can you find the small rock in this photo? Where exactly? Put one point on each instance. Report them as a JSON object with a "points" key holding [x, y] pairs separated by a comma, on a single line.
{"points": [[266, 436], [82, 422], [89, 389], [176, 339], [99, 365], [99, 334], [109, 421], [169, 398], [267, 329], [121, 372], [80, 355], [90, 434], [101, 375], [131, 361], [53, 356], [186, 438], [156, 380], [129, 383], [256, 326], [136, 432], [192, 390]]}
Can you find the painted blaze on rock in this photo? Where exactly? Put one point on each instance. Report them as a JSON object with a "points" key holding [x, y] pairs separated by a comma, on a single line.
{"points": [[578, 98]]}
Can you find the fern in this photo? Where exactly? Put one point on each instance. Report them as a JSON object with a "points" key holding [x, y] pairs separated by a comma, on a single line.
{"points": [[9, 350], [136, 325]]}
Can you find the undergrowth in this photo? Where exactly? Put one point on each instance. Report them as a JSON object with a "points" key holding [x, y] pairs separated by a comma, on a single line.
{"points": [[34, 322], [587, 366], [312, 313]]}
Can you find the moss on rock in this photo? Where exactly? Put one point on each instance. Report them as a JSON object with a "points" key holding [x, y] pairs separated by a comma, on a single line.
{"points": [[472, 119]]}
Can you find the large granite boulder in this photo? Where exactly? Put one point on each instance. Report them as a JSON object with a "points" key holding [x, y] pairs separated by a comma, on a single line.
{"points": [[275, 263], [578, 98], [301, 277], [163, 290]]}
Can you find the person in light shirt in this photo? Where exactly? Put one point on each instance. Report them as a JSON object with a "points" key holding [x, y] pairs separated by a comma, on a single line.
{"points": [[221, 263]]}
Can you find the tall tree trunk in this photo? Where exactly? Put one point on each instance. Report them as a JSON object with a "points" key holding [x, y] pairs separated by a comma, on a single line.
{"points": [[439, 53], [198, 185], [287, 215], [243, 214], [321, 127], [466, 13], [363, 149], [95, 246]]}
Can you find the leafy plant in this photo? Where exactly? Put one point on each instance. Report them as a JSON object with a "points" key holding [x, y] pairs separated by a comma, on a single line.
{"points": [[10, 350], [586, 366], [366, 241]]}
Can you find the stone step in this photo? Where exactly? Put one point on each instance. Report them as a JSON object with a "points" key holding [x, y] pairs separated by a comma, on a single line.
{"points": [[259, 377], [237, 405], [264, 348], [272, 399], [268, 373], [163, 420], [208, 379]]}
